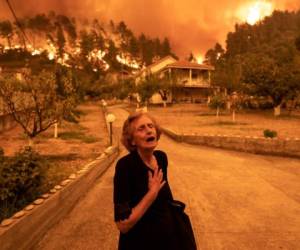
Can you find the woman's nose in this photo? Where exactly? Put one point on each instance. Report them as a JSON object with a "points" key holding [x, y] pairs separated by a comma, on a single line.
{"points": [[149, 130]]}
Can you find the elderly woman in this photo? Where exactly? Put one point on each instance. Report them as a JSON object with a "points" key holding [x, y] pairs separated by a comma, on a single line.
{"points": [[141, 189]]}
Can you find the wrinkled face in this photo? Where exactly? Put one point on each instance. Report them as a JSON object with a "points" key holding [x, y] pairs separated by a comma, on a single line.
{"points": [[144, 133]]}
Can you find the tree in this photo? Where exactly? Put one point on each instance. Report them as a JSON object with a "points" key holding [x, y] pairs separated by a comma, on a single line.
{"points": [[86, 43], [217, 102], [166, 48], [37, 102], [153, 84], [261, 60], [191, 58], [270, 79], [39, 24], [147, 88], [60, 40], [68, 27], [133, 47], [110, 57], [6, 31], [213, 55]]}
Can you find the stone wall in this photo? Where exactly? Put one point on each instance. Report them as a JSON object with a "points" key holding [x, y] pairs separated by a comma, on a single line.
{"points": [[258, 145]]}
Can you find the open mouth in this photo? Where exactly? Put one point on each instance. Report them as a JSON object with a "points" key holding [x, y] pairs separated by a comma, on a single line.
{"points": [[150, 139]]}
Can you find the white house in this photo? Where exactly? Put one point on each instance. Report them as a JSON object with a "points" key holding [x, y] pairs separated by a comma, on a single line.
{"points": [[193, 79]]}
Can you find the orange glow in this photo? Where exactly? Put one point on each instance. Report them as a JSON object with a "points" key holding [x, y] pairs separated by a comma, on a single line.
{"points": [[200, 59], [252, 13], [36, 52], [51, 55]]}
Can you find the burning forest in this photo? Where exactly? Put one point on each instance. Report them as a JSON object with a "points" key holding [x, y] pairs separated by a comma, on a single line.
{"points": [[79, 43]]}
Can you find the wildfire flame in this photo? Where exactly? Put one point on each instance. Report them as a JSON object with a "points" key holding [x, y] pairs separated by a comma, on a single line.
{"points": [[256, 12], [126, 60], [200, 59]]}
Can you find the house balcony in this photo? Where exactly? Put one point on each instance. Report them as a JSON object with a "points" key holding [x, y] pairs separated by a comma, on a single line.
{"points": [[195, 83]]}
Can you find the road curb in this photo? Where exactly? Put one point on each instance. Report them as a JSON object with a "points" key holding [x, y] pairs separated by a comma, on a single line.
{"points": [[289, 147]]}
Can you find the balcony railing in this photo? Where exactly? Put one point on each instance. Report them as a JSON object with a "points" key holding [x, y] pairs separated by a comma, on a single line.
{"points": [[195, 83]]}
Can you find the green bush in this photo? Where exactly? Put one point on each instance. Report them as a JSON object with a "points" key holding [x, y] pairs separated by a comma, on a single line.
{"points": [[20, 179], [270, 133]]}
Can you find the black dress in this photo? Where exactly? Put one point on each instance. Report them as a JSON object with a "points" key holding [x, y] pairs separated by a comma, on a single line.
{"points": [[155, 230]]}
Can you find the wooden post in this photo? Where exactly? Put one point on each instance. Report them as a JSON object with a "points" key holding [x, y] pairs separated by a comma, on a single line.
{"points": [[55, 130]]}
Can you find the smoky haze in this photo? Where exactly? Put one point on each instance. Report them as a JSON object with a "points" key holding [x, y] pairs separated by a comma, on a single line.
{"points": [[191, 25]]}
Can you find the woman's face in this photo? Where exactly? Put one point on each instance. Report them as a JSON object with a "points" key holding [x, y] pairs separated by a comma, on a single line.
{"points": [[144, 133]]}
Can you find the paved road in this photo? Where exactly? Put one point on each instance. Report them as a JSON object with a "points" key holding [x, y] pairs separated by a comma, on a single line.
{"points": [[235, 200]]}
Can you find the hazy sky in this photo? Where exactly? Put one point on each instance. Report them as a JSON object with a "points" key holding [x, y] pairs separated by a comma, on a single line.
{"points": [[191, 25]]}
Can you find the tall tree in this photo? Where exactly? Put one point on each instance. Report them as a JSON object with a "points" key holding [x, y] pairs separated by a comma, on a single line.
{"points": [[69, 27], [213, 55], [86, 43], [39, 27], [6, 31], [60, 40], [166, 48]]}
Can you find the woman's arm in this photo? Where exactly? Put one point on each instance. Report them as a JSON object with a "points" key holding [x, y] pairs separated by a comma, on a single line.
{"points": [[155, 183]]}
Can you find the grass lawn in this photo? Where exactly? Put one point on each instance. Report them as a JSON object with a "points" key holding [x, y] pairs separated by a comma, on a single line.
{"points": [[196, 118]]}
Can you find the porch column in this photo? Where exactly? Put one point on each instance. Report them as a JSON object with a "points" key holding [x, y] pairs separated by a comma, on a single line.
{"points": [[190, 76]]}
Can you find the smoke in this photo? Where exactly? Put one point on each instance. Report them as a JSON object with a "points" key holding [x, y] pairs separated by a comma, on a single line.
{"points": [[191, 25]]}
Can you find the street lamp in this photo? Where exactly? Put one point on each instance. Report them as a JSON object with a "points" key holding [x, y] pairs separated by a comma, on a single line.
{"points": [[104, 104], [110, 118]]}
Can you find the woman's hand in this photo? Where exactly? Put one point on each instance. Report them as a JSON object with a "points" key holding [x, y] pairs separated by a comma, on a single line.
{"points": [[155, 181]]}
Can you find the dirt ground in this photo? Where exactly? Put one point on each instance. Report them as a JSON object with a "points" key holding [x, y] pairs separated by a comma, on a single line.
{"points": [[194, 118], [76, 144]]}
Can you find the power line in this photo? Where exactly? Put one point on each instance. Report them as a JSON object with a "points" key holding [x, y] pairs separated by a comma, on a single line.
{"points": [[24, 37]]}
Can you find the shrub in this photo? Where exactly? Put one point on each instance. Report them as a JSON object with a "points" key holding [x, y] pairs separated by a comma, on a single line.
{"points": [[265, 104], [270, 133], [20, 179]]}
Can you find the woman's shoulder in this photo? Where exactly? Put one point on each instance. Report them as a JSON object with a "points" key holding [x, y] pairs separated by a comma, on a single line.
{"points": [[162, 156], [125, 161], [160, 153]]}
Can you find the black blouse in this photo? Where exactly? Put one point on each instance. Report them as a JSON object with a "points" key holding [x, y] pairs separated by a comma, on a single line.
{"points": [[155, 229]]}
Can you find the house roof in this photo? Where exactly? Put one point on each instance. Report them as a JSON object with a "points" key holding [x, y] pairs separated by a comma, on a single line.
{"points": [[189, 65], [160, 60], [154, 64]]}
